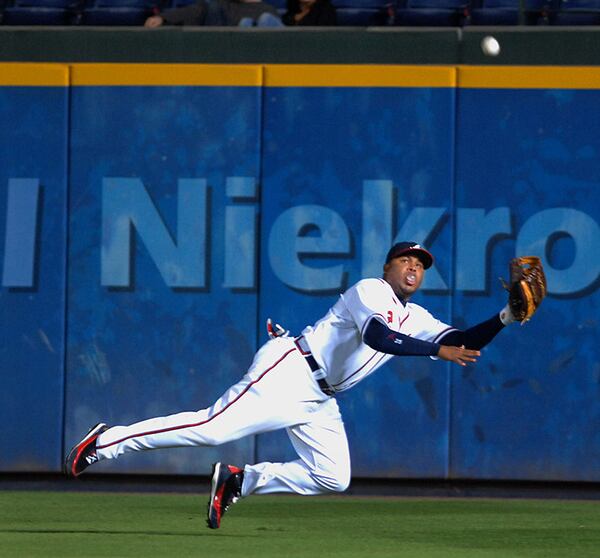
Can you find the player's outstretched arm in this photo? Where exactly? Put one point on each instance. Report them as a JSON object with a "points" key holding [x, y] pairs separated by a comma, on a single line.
{"points": [[381, 338], [526, 288], [480, 335], [475, 337]]}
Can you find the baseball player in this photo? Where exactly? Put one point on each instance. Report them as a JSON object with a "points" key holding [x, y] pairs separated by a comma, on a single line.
{"points": [[292, 384]]}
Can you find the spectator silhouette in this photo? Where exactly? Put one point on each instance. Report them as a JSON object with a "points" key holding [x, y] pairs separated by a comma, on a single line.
{"points": [[309, 12]]}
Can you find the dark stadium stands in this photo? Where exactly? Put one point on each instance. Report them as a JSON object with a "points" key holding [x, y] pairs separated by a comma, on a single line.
{"points": [[577, 12], [446, 13], [38, 12], [117, 12], [362, 13], [506, 12]]}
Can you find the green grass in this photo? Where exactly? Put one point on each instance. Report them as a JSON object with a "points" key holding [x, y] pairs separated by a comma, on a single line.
{"points": [[106, 524]]}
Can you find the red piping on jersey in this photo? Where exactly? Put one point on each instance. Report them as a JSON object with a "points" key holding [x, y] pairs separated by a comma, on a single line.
{"points": [[193, 425], [357, 371], [376, 352], [336, 386], [383, 355]]}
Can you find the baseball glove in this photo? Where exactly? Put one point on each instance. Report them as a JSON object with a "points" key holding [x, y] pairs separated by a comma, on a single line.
{"points": [[526, 287]]}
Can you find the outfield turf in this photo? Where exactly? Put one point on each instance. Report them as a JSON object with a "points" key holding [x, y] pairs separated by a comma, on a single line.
{"points": [[146, 525]]}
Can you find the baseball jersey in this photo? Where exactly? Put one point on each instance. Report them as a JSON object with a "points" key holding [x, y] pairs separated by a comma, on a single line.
{"points": [[336, 340]]}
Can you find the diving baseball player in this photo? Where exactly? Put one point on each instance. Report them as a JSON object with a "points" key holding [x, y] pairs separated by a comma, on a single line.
{"points": [[292, 384]]}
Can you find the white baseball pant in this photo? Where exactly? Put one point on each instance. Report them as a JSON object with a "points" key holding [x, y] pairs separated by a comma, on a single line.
{"points": [[278, 391]]}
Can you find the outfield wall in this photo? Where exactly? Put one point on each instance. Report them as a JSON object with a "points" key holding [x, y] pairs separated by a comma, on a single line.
{"points": [[155, 215]]}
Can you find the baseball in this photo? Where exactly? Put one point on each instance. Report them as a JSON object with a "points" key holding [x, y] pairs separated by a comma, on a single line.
{"points": [[490, 46]]}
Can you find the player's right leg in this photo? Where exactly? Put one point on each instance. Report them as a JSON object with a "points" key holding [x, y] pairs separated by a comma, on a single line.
{"points": [[324, 458], [225, 490]]}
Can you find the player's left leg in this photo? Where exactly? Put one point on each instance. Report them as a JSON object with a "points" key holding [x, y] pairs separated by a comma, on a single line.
{"points": [[324, 458], [276, 392], [270, 396]]}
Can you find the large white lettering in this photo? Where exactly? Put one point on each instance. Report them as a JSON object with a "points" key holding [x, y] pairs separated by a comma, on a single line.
{"points": [[534, 238], [476, 230], [308, 231], [126, 204], [309, 247], [21, 229]]}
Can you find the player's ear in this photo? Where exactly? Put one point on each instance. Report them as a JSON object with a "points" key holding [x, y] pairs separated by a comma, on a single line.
{"points": [[386, 267]]}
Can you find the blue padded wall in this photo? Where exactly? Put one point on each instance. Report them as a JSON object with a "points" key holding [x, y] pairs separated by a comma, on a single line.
{"points": [[151, 228], [33, 218], [147, 347], [366, 176], [530, 408]]}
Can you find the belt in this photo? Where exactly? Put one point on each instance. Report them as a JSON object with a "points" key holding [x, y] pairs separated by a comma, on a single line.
{"points": [[314, 366]]}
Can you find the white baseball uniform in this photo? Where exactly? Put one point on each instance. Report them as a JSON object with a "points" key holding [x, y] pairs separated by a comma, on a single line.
{"points": [[280, 390]]}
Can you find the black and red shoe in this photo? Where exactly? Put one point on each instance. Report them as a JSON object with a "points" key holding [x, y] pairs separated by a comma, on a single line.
{"points": [[225, 489], [83, 454]]}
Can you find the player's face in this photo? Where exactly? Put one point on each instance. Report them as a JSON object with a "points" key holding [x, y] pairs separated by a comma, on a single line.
{"points": [[405, 275]]}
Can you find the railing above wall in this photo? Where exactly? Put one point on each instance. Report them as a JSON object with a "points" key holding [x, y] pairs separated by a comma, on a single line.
{"points": [[518, 45]]}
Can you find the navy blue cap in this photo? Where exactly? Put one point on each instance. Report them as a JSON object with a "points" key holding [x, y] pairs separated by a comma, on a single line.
{"points": [[402, 248]]}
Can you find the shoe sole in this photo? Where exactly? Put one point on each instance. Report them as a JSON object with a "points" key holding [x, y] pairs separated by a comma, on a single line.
{"points": [[214, 484], [78, 448]]}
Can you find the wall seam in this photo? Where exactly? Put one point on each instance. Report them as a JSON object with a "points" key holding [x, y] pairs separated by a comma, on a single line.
{"points": [[452, 278], [259, 178], [66, 206]]}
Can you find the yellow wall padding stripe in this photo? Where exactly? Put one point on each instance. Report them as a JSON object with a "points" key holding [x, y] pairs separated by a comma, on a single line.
{"points": [[166, 74], [329, 75], [529, 77], [303, 75], [26, 74], [300, 75]]}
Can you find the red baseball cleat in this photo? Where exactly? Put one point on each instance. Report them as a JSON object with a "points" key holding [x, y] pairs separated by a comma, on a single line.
{"points": [[225, 489], [83, 454]]}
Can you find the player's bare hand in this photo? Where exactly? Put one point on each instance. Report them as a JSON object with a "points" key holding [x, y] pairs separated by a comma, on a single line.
{"points": [[459, 355]]}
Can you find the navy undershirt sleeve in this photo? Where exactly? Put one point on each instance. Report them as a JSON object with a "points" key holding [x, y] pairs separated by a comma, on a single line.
{"points": [[381, 338], [475, 337]]}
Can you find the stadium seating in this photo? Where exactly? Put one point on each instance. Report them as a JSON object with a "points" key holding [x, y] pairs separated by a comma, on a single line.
{"points": [[362, 12], [118, 12], [576, 12], [450, 13], [39, 12], [349, 12], [506, 12]]}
